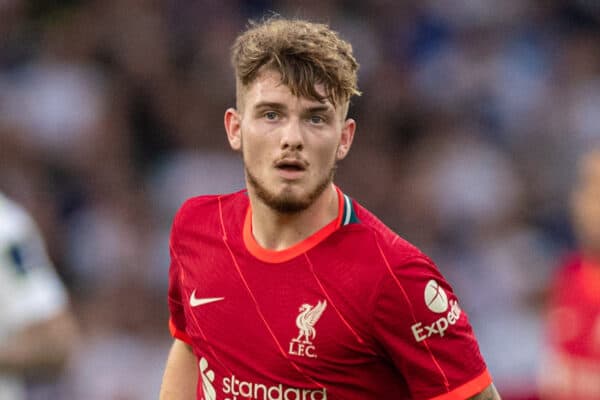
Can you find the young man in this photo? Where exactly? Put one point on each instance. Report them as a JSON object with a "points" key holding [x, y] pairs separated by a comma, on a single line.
{"points": [[292, 290], [572, 367], [37, 328]]}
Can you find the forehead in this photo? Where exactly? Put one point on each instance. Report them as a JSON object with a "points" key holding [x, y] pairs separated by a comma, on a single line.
{"points": [[267, 87]]}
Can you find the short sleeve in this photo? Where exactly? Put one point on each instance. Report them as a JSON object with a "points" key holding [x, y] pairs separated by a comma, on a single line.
{"points": [[427, 335], [177, 320]]}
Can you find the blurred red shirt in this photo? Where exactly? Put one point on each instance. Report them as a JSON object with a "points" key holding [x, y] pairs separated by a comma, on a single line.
{"points": [[572, 367]]}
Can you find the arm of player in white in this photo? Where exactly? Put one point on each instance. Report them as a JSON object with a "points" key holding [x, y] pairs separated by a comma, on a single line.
{"points": [[41, 347], [37, 328], [489, 393], [181, 374]]}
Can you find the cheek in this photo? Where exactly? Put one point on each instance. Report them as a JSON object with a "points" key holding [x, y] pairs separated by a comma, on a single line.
{"points": [[328, 154], [254, 149]]}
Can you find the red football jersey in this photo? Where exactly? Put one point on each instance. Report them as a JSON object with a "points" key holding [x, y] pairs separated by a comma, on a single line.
{"points": [[352, 312], [572, 367]]}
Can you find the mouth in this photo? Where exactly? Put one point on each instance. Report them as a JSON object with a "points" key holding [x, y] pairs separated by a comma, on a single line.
{"points": [[291, 165], [291, 169]]}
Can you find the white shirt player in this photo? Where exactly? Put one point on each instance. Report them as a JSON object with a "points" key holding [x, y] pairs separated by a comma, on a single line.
{"points": [[30, 289]]}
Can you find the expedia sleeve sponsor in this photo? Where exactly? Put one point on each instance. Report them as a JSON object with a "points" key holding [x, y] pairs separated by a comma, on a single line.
{"points": [[423, 331]]}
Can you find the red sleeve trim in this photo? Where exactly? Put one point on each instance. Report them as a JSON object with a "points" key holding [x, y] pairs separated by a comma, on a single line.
{"points": [[176, 333], [469, 389]]}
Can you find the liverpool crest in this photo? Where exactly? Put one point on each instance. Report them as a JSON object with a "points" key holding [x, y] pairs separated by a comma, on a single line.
{"points": [[302, 345]]}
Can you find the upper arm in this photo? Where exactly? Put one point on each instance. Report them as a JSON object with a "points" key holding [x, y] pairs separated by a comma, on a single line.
{"points": [[418, 319], [181, 373], [489, 393]]}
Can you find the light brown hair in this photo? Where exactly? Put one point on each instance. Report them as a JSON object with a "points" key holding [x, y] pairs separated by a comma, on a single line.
{"points": [[304, 53]]}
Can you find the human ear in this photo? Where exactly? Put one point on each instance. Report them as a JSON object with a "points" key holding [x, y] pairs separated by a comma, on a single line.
{"points": [[346, 139], [232, 122]]}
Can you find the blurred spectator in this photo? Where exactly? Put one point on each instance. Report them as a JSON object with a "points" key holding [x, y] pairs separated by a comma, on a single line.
{"points": [[37, 329], [572, 366]]}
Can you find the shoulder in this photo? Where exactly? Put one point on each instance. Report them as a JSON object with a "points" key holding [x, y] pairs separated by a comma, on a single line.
{"points": [[401, 267], [380, 256], [16, 221], [372, 233], [26, 271], [568, 270], [210, 206]]}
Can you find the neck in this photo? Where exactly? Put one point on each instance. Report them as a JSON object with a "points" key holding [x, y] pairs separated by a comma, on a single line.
{"points": [[274, 230]]}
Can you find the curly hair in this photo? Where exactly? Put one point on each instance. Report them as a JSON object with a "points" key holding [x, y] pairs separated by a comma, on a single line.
{"points": [[304, 53]]}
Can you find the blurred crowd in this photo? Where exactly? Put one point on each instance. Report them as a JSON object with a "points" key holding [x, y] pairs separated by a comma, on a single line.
{"points": [[472, 118]]}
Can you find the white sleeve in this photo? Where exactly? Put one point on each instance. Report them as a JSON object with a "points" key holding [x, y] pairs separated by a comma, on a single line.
{"points": [[30, 289]]}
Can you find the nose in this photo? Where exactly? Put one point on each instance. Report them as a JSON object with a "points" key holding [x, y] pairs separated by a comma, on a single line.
{"points": [[292, 136]]}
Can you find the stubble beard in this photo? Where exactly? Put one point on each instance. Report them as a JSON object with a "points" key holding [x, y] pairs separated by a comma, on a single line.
{"points": [[286, 202]]}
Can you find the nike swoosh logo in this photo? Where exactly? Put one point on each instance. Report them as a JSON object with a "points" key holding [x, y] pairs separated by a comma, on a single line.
{"points": [[195, 302]]}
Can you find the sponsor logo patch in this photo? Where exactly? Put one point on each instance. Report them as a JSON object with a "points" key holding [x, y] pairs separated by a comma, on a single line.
{"points": [[435, 297], [436, 300], [195, 302], [208, 377], [234, 388]]}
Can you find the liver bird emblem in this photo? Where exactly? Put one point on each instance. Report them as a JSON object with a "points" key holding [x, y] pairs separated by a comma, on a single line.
{"points": [[306, 320]]}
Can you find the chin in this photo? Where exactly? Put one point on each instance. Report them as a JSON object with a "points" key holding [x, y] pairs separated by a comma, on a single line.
{"points": [[287, 200], [292, 198], [290, 204]]}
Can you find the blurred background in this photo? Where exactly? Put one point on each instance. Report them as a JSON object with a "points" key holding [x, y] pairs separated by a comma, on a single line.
{"points": [[473, 116]]}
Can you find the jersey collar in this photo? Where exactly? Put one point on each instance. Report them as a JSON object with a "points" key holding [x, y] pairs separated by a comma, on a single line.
{"points": [[345, 216]]}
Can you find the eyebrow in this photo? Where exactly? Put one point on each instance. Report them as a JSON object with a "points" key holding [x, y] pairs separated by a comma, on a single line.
{"points": [[323, 108], [279, 106], [269, 105]]}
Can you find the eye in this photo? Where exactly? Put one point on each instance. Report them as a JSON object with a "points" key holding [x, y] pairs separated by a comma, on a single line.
{"points": [[317, 119], [271, 115]]}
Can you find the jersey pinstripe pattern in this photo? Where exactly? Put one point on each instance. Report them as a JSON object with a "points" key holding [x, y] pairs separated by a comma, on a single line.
{"points": [[341, 315]]}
